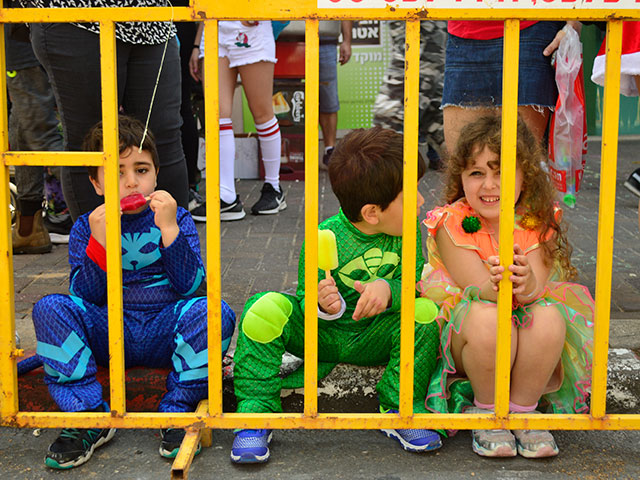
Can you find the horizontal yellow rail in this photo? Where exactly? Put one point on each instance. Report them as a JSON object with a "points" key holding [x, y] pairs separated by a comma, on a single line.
{"points": [[210, 13]]}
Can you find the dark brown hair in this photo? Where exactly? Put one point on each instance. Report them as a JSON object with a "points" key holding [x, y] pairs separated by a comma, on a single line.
{"points": [[130, 131], [538, 193], [366, 168]]}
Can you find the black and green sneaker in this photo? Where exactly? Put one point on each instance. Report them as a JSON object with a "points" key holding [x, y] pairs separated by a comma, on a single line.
{"points": [[75, 446], [171, 441]]}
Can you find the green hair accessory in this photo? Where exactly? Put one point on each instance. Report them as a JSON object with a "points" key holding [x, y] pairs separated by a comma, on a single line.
{"points": [[471, 224]]}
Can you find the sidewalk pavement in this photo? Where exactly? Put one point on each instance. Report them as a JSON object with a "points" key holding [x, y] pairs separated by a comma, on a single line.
{"points": [[261, 253]]}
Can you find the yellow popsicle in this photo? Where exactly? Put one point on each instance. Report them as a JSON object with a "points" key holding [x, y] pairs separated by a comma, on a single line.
{"points": [[327, 251]]}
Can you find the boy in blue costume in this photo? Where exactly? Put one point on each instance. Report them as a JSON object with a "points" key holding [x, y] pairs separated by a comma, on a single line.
{"points": [[164, 314], [358, 305]]}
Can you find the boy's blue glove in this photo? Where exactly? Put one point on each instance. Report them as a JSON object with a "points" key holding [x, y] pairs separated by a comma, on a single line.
{"points": [[277, 27]]}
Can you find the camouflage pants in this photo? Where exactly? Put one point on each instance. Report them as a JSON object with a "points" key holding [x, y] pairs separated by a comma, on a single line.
{"points": [[388, 108]]}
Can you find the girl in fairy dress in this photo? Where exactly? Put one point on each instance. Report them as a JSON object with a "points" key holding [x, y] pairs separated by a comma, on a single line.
{"points": [[552, 320]]}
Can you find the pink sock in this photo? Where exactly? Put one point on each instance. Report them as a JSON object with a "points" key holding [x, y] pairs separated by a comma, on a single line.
{"points": [[515, 408], [484, 406]]}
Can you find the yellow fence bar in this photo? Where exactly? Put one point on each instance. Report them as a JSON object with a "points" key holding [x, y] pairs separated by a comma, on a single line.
{"points": [[410, 199], [54, 159], [604, 265], [303, 9], [8, 372], [111, 146], [211, 12], [510, 61], [311, 60], [214, 285], [341, 421]]}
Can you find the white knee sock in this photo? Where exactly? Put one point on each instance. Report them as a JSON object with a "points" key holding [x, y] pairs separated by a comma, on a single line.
{"points": [[269, 136], [227, 158]]}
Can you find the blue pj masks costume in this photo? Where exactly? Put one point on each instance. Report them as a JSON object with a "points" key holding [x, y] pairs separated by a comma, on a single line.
{"points": [[165, 318]]}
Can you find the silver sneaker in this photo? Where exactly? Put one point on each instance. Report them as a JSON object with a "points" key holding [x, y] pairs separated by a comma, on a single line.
{"points": [[492, 443]]}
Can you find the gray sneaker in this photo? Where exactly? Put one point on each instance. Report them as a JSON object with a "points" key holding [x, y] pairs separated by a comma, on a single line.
{"points": [[536, 443], [492, 443]]}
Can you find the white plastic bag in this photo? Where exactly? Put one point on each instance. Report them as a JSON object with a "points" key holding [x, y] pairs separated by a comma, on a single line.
{"points": [[568, 131]]}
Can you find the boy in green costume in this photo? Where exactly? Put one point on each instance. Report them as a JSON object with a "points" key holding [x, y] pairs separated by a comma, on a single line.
{"points": [[358, 305]]}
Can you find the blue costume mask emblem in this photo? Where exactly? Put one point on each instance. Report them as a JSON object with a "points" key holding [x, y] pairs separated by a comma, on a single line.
{"points": [[140, 249]]}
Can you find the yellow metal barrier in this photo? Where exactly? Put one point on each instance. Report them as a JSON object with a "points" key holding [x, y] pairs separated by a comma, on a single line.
{"points": [[211, 415]]}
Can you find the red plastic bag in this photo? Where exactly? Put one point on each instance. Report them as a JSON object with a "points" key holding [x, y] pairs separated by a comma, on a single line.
{"points": [[568, 131]]}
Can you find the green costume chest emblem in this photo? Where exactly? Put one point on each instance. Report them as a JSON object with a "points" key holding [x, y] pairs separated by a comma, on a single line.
{"points": [[372, 265]]}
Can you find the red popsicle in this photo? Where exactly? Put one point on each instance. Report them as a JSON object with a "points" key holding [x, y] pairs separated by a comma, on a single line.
{"points": [[132, 202]]}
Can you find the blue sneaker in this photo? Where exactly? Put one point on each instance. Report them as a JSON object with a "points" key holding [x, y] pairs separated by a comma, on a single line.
{"points": [[413, 439], [251, 446]]}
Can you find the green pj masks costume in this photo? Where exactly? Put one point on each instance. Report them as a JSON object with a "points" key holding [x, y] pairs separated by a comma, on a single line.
{"points": [[273, 323]]}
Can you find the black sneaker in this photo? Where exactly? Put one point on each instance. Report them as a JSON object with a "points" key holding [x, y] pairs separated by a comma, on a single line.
{"points": [[325, 158], [231, 211], [271, 201], [59, 227], [633, 182], [171, 441], [75, 446]]}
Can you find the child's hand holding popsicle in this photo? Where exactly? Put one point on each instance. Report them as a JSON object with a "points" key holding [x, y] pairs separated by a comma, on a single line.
{"points": [[328, 296]]}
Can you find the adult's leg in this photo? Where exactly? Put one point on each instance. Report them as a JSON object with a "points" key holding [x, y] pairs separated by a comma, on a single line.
{"points": [[142, 65], [71, 57], [190, 139], [455, 118], [328, 94], [257, 82], [33, 126], [227, 84]]}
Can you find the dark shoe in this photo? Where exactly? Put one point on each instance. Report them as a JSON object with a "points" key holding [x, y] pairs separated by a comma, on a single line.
{"points": [[197, 206], [37, 241], [325, 159], [271, 201], [171, 441], [633, 182], [231, 211], [59, 227], [75, 446]]}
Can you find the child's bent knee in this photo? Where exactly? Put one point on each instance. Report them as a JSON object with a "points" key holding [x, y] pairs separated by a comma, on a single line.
{"points": [[265, 320]]}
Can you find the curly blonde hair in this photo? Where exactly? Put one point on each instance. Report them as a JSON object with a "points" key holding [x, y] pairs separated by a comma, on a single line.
{"points": [[537, 194]]}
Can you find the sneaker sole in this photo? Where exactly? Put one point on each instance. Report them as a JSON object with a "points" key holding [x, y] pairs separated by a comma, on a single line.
{"points": [[232, 216], [631, 188], [279, 208], [501, 452], [544, 452], [412, 448], [49, 462], [173, 453], [58, 238], [249, 457]]}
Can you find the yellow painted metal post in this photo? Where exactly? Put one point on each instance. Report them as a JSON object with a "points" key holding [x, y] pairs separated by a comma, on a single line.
{"points": [[410, 199], [111, 147], [312, 44], [510, 61], [8, 372], [212, 154], [604, 265]]}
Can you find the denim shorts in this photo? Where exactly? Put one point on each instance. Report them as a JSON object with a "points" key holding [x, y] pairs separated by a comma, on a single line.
{"points": [[328, 77], [473, 70]]}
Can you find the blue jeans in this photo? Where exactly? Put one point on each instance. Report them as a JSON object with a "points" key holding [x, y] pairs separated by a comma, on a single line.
{"points": [[71, 57], [32, 126], [328, 77]]}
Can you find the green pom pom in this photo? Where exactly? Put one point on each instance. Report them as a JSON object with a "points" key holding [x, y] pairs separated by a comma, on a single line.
{"points": [[426, 310], [471, 224]]}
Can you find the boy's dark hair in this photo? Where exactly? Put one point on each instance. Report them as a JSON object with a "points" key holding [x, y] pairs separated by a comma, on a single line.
{"points": [[130, 131], [366, 168]]}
